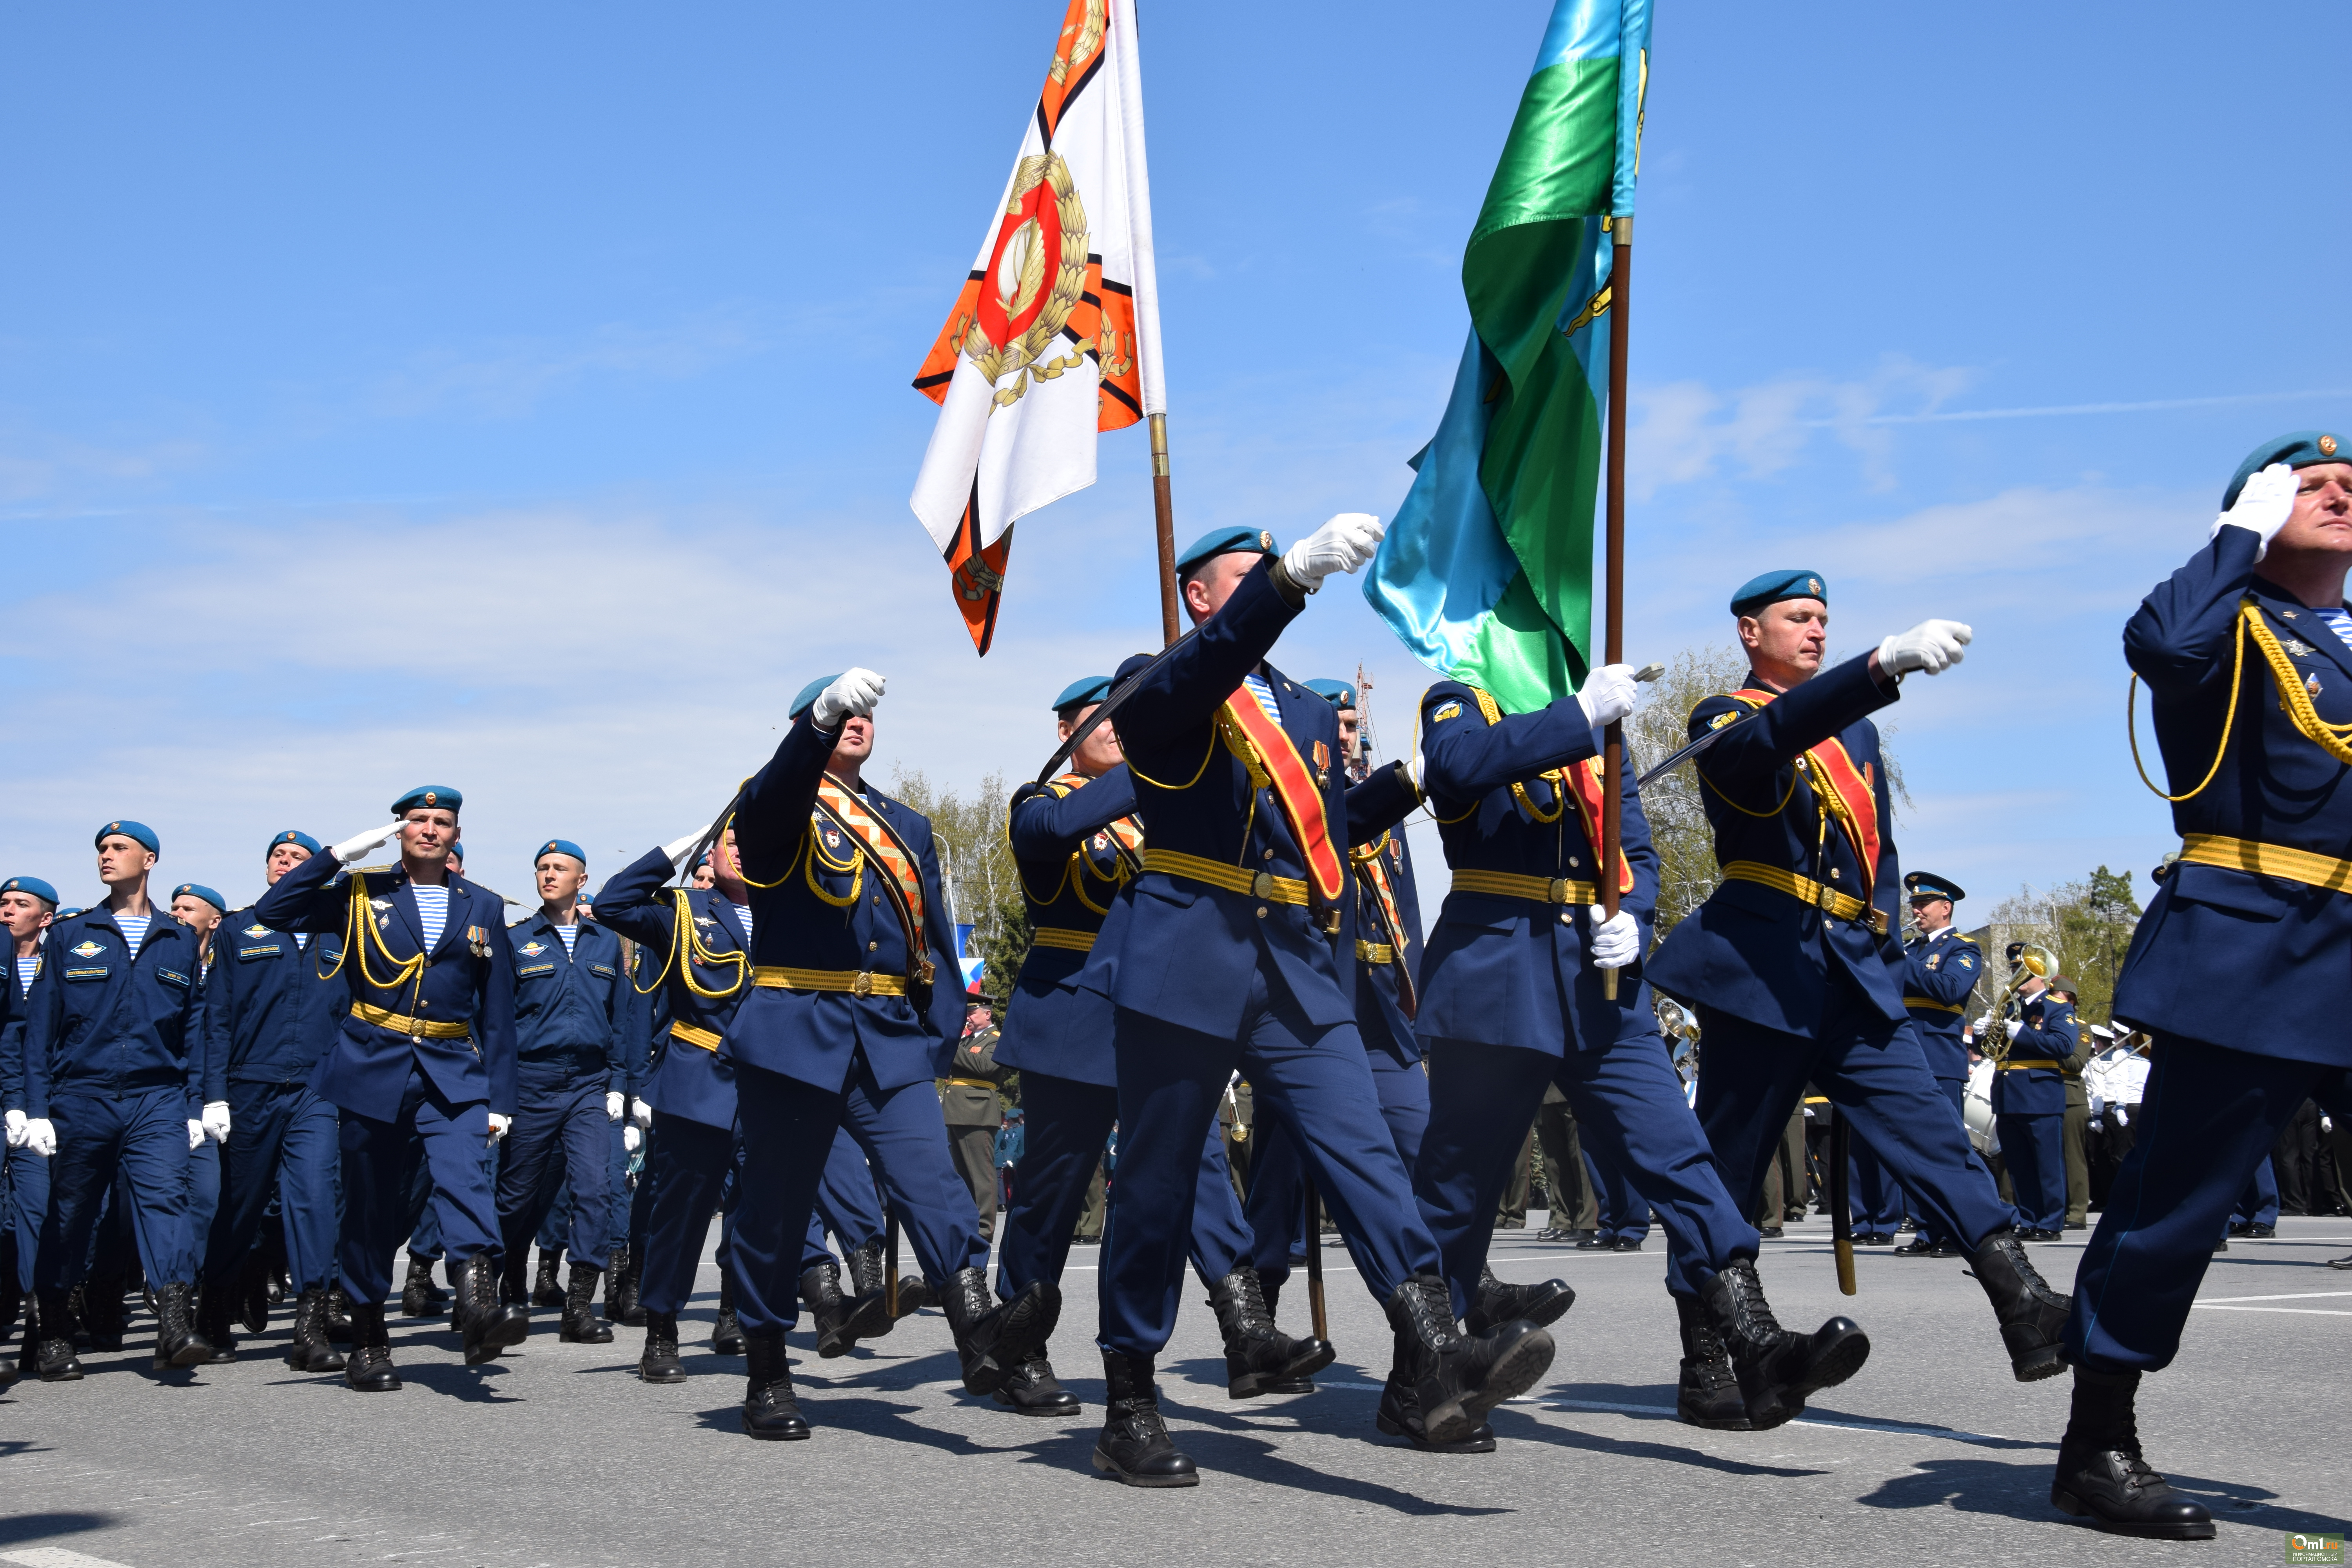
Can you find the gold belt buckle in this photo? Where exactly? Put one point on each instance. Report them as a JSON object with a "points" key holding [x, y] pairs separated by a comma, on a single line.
{"points": [[1559, 889], [862, 984], [1827, 898], [1262, 885]]}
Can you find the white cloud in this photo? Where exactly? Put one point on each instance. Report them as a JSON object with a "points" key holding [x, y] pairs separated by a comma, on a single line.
{"points": [[507, 380], [1685, 431]]}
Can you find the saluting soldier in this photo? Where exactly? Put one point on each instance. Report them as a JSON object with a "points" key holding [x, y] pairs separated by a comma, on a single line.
{"points": [[27, 905], [2245, 654], [2028, 1102], [1792, 965], [1224, 951], [426, 1054], [1940, 968], [268, 1017]]}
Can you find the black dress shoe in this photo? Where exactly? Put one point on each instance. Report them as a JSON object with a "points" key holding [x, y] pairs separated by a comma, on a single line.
{"points": [[2101, 1474], [1628, 1244], [1032, 1389], [1772, 1234], [658, 1363], [1593, 1241], [2343, 1262], [1875, 1240], [1135, 1445], [2078, 1225], [2222, 1245], [771, 1413], [2261, 1232]]}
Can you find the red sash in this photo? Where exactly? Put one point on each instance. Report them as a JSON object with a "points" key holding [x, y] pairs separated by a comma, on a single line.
{"points": [[1849, 793], [1370, 866], [1266, 747], [1584, 780]]}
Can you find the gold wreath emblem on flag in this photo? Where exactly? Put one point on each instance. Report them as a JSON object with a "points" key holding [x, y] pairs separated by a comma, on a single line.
{"points": [[1017, 293]]}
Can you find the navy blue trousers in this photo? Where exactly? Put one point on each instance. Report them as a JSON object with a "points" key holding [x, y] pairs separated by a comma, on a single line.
{"points": [[204, 1199], [1956, 1090], [144, 1137], [1170, 1080], [281, 1141], [849, 1204], [1629, 1109], [566, 1130], [1877, 1198], [1277, 1211], [611, 1221], [1069, 1123], [687, 1166], [2259, 1203], [2206, 1120], [27, 1176], [1752, 1077], [380, 1161], [1624, 1212], [2033, 1147], [788, 1136]]}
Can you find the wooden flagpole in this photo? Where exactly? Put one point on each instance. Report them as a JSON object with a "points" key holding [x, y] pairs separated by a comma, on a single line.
{"points": [[1163, 508], [1612, 750]]}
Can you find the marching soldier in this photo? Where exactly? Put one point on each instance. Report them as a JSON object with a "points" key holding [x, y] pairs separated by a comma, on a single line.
{"points": [[1223, 953], [973, 1111], [268, 1017], [426, 1054], [2028, 1102], [1790, 963], [1940, 968], [2243, 650], [27, 905]]}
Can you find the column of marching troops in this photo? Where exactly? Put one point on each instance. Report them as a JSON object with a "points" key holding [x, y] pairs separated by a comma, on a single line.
{"points": [[1211, 892]]}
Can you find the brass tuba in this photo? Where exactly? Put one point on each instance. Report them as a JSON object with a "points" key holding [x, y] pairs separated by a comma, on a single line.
{"points": [[2032, 962]]}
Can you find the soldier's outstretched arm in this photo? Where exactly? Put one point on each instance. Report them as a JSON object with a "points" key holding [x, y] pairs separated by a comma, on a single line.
{"points": [[1384, 799], [1463, 757], [304, 899], [2183, 634], [1755, 745], [1043, 826], [630, 901], [774, 812], [1186, 691]]}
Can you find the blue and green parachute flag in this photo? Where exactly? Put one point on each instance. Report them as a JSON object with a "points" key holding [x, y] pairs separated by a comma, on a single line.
{"points": [[1486, 572]]}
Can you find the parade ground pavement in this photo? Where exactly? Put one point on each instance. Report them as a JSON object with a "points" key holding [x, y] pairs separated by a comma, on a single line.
{"points": [[556, 1454]]}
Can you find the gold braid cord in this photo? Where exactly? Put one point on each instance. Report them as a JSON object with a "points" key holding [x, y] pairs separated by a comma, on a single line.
{"points": [[356, 919], [2295, 701]]}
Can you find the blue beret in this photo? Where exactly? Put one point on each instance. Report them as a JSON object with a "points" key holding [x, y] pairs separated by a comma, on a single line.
{"points": [[1224, 541], [200, 891], [1771, 587], [808, 694], [2299, 451], [291, 836], [137, 831], [31, 884], [1082, 692], [441, 795], [1927, 885], [1341, 694], [561, 847], [457, 850]]}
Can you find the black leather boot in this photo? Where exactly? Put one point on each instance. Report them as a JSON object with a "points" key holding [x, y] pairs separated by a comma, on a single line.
{"points": [[103, 1313], [370, 1369], [1135, 1445], [547, 1291], [48, 1336], [727, 1334], [828, 1307], [486, 1324], [1457, 1378], [1032, 1389], [1259, 1358], [253, 1294], [622, 1285], [1399, 1416], [177, 1343], [2032, 1316], [658, 1363], [1778, 1370], [215, 1325], [2101, 1476], [869, 1312], [311, 1351], [419, 1296], [991, 1340], [1497, 1303], [1709, 1393], [770, 1410], [914, 1295], [581, 1324], [339, 1316]]}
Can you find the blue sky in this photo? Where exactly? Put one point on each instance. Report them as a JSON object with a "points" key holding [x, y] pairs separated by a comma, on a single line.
{"points": [[517, 397]]}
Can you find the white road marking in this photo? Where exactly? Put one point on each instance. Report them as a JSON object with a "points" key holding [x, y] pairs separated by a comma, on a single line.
{"points": [[55, 1557], [2298, 1311], [2289, 1296]]}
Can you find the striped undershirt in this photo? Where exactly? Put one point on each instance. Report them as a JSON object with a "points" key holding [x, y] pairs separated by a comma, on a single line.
{"points": [[134, 929], [743, 913], [2339, 621], [570, 935], [1264, 695], [25, 968], [431, 911]]}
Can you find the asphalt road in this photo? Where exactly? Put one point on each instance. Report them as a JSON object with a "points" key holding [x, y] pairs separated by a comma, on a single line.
{"points": [[557, 1454]]}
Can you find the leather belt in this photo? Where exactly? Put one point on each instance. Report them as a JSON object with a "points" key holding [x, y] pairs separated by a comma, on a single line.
{"points": [[1805, 891], [854, 982], [1262, 885], [415, 1028], [970, 1083], [1535, 890], [1953, 1007], [2028, 1063], [707, 1038], [1375, 952], [1055, 936], [2313, 870]]}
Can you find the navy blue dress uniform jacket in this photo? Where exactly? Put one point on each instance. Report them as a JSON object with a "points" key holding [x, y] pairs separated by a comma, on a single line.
{"points": [[1062, 849], [269, 1011], [1183, 951], [98, 1021], [686, 1080], [812, 1036], [1500, 971], [571, 1012], [2214, 937], [366, 1070], [2050, 1035], [1377, 809], [1938, 973], [1754, 951]]}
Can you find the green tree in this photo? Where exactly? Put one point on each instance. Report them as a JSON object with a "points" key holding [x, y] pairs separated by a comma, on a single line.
{"points": [[2088, 924], [976, 866]]}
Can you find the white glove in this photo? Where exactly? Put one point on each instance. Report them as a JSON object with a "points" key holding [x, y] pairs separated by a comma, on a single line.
{"points": [[631, 1138], [196, 1136], [2263, 505], [1932, 646], [498, 1125], [15, 1120], [1608, 694], [1616, 939], [853, 695], [2016, 1028], [640, 1112], [1984, 1021], [216, 1120], [352, 850], [2123, 1116], [1342, 544], [2327, 1124], [2097, 1126], [679, 849], [613, 1100], [41, 1136]]}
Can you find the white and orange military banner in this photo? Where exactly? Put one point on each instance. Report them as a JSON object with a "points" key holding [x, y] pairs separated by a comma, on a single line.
{"points": [[1055, 335]]}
